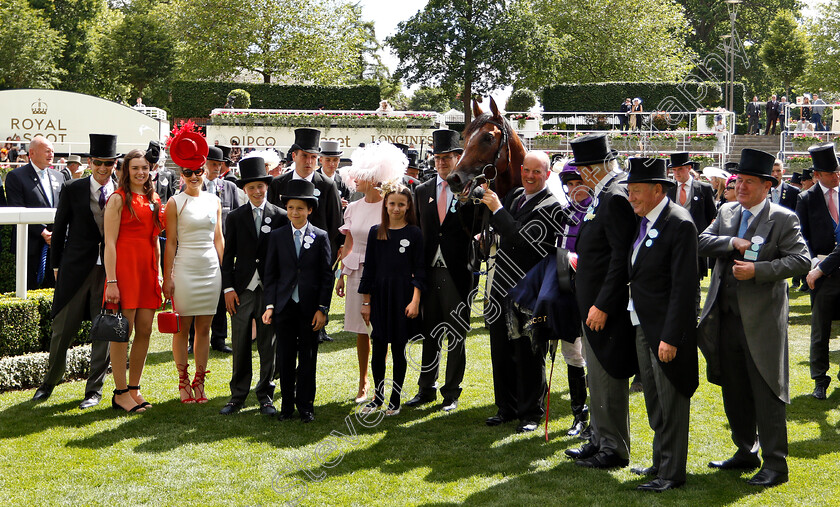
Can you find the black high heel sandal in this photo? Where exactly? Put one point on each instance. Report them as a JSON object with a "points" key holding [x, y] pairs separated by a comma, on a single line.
{"points": [[145, 403], [114, 404]]}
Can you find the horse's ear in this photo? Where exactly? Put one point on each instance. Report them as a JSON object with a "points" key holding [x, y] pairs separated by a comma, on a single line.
{"points": [[494, 108], [476, 109]]}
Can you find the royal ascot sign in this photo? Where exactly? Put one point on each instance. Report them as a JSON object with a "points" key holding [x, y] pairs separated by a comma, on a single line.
{"points": [[66, 119]]}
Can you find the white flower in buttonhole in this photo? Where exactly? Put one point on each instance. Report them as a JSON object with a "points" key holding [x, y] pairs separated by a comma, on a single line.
{"points": [[403, 244]]}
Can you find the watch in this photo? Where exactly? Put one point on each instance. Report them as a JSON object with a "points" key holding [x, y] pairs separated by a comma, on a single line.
{"points": [[324, 309]]}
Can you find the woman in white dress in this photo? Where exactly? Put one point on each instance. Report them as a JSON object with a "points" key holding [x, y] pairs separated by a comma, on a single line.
{"points": [[192, 278], [372, 165]]}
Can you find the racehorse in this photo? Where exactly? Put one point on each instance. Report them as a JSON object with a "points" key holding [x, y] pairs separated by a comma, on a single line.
{"points": [[493, 153]]}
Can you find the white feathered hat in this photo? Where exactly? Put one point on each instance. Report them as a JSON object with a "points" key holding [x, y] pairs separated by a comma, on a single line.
{"points": [[270, 156], [378, 163]]}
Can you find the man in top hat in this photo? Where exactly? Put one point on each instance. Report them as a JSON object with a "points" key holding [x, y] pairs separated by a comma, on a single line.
{"points": [[807, 179], [796, 181], [72, 169], [743, 330], [227, 173], [411, 154], [783, 194], [604, 241], [330, 159], [663, 283], [695, 196], [36, 185], [243, 272], [446, 241], [76, 256], [819, 214], [166, 182]]}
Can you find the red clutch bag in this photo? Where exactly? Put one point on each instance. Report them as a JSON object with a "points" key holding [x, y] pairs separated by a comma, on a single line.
{"points": [[169, 322]]}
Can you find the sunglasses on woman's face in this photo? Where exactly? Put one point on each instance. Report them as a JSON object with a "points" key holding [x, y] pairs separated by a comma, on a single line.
{"points": [[730, 188], [106, 163], [188, 173]]}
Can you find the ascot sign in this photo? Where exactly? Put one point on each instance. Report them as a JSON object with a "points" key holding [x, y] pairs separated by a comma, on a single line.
{"points": [[66, 119]]}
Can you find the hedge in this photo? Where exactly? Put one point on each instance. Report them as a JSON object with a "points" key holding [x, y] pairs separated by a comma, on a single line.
{"points": [[25, 323], [195, 99], [609, 96], [22, 372]]}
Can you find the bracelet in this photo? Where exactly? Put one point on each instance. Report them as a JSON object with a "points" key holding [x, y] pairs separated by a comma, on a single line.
{"points": [[111, 281], [365, 304]]}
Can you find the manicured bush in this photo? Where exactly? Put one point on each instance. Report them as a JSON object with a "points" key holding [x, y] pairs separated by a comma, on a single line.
{"points": [[19, 326], [22, 372], [195, 99], [239, 98], [522, 99]]}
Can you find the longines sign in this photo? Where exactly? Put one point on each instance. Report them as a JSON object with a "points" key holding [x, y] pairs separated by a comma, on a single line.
{"points": [[66, 119]]}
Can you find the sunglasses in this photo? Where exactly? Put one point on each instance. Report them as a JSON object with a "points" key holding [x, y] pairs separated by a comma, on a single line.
{"points": [[188, 173], [106, 163], [730, 188]]}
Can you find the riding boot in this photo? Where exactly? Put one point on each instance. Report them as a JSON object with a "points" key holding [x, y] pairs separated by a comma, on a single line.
{"points": [[577, 393]]}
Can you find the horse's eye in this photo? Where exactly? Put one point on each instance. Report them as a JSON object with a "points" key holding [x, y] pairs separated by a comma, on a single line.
{"points": [[488, 138]]}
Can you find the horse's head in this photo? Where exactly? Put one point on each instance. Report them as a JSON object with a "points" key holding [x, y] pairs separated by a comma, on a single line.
{"points": [[491, 149]]}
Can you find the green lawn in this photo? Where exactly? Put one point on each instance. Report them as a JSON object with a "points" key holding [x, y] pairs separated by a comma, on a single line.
{"points": [[175, 454]]}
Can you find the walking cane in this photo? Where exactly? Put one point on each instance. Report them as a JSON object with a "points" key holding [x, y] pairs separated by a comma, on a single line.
{"points": [[552, 348]]}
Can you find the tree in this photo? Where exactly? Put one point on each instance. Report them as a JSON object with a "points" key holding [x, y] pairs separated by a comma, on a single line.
{"points": [[787, 50], [823, 30], [29, 48], [522, 99], [430, 99]]}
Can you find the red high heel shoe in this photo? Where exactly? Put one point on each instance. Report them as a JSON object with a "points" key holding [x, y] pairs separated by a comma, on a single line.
{"points": [[184, 387], [198, 385]]}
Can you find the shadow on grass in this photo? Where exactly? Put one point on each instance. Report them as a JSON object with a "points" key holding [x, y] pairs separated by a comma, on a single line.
{"points": [[807, 409]]}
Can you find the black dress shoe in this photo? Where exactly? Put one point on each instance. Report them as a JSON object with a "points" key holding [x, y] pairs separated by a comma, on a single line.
{"points": [[43, 392], [449, 405], [418, 400], [659, 485], [91, 400], [495, 420], [767, 478], [285, 416], [651, 470], [526, 427], [324, 337], [268, 409], [223, 348], [231, 407], [819, 392], [307, 417], [734, 463], [603, 460], [587, 450]]}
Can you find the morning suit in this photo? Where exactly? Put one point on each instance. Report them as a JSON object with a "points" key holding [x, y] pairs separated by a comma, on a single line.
{"points": [[311, 273], [743, 330], [166, 184], [753, 115], [327, 216], [700, 203], [663, 282], [77, 253], [785, 195], [603, 243], [341, 186], [527, 232], [227, 192], [818, 229], [24, 189], [243, 271], [772, 109], [445, 302]]}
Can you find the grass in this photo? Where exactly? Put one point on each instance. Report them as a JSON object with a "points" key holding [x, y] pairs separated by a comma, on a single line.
{"points": [[55, 454]]}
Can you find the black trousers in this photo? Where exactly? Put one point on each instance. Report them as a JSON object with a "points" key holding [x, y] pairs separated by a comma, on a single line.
{"points": [[748, 401], [378, 358], [251, 307], [297, 344], [824, 303]]}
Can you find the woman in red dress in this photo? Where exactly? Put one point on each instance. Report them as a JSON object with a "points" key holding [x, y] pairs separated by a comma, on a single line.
{"points": [[132, 260]]}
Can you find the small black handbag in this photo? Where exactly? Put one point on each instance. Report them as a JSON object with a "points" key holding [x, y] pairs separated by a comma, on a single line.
{"points": [[109, 326]]}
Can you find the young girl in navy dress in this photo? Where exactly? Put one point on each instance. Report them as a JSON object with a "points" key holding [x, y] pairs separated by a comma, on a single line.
{"points": [[391, 283]]}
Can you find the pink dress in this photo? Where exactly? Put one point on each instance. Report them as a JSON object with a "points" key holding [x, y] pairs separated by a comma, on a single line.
{"points": [[359, 217]]}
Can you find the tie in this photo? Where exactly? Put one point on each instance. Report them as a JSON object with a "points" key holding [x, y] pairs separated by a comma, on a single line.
{"points": [[683, 195], [832, 205], [441, 202], [295, 296], [258, 220], [519, 203], [745, 218], [102, 197], [642, 233], [211, 186]]}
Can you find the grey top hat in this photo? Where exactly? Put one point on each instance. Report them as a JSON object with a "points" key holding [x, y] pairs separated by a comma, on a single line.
{"points": [[330, 149]]}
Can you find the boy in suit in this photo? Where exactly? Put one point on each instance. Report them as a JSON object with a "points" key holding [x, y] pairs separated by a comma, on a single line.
{"points": [[243, 270], [296, 252]]}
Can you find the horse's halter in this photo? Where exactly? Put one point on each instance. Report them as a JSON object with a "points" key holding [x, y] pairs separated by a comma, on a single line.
{"points": [[485, 177]]}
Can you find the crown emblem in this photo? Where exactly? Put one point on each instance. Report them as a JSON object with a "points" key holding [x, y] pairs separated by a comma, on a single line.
{"points": [[39, 107]]}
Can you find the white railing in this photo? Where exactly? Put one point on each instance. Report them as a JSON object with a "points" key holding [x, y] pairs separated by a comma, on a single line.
{"points": [[152, 112], [22, 217], [798, 133]]}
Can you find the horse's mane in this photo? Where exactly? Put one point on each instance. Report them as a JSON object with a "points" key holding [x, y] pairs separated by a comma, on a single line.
{"points": [[482, 120]]}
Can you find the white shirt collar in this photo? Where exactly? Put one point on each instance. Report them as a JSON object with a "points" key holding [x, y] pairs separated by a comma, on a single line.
{"points": [[94, 186], [755, 210], [824, 188], [37, 169], [601, 184], [261, 207], [302, 230], [296, 176], [653, 215]]}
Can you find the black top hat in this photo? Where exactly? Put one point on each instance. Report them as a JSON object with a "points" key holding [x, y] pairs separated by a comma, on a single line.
{"points": [[730, 167], [679, 159], [153, 152], [648, 170], [446, 141], [225, 153], [330, 149], [299, 189], [103, 146], [412, 161], [808, 174], [757, 163], [796, 177], [307, 140], [215, 153], [823, 157], [252, 169], [591, 149]]}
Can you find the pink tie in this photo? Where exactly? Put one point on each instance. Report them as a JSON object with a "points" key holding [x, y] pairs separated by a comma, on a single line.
{"points": [[832, 205], [441, 202], [682, 195]]}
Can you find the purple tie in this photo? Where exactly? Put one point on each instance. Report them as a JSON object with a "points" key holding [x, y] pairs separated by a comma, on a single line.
{"points": [[102, 197], [642, 233]]}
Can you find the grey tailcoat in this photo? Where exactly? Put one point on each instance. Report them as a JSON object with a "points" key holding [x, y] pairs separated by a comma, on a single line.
{"points": [[763, 300]]}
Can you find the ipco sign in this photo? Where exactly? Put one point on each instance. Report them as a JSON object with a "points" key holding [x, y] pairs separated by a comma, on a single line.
{"points": [[66, 119]]}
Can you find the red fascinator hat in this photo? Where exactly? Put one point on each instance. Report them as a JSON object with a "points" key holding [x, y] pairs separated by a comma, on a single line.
{"points": [[188, 148]]}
